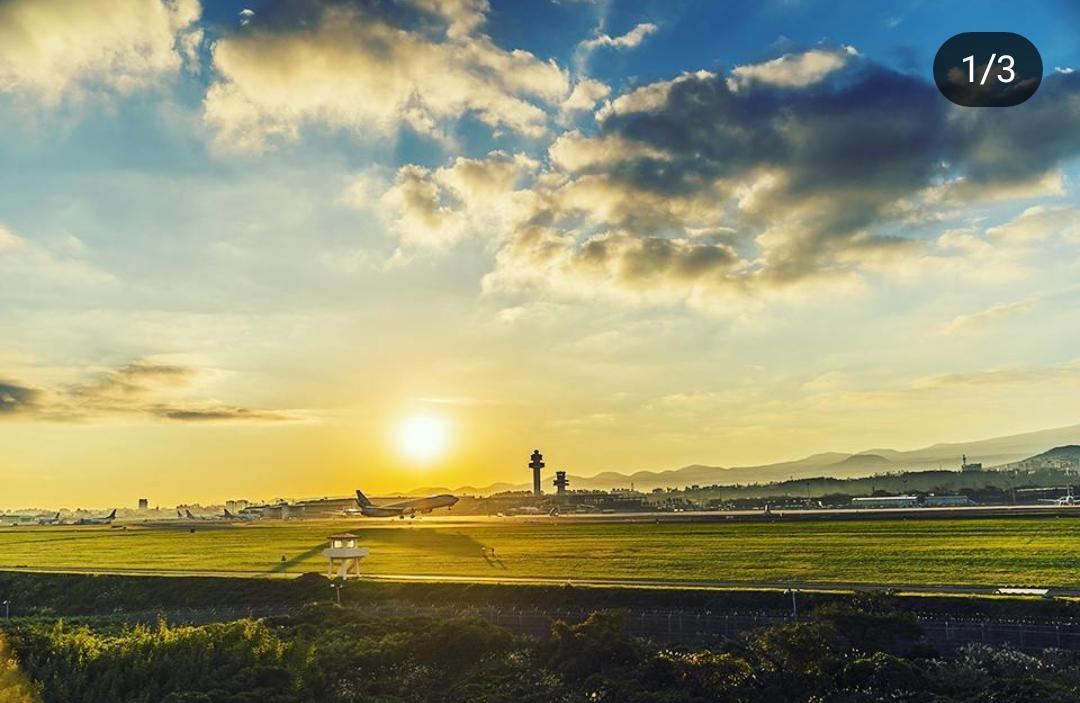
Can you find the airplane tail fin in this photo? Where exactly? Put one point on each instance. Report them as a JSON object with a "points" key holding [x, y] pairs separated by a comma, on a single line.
{"points": [[112, 515], [189, 515], [227, 513], [361, 499]]}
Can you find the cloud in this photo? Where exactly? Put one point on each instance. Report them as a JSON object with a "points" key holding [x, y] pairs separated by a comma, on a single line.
{"points": [[1067, 372], [434, 209], [798, 178], [145, 387], [17, 399], [32, 271], [59, 49], [354, 68], [586, 93], [978, 320], [629, 40], [1040, 223], [792, 70]]}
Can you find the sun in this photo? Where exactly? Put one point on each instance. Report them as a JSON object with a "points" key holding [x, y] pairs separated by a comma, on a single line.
{"points": [[422, 438]]}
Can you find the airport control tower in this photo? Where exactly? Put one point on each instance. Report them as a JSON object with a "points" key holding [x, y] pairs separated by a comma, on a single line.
{"points": [[560, 482], [536, 463]]}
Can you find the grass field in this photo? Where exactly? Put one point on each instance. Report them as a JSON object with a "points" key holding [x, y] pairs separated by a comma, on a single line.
{"points": [[1015, 551]]}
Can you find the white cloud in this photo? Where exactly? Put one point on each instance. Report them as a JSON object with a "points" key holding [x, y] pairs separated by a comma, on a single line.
{"points": [[629, 40], [792, 70], [977, 320], [649, 97], [586, 93], [57, 49], [355, 70], [1039, 223], [431, 210], [573, 151]]}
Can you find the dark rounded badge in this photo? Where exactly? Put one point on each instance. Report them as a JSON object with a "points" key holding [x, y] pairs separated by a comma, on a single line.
{"points": [[988, 69]]}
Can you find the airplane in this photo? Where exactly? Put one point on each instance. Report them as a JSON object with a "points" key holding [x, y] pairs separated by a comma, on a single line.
{"points": [[107, 520], [242, 516], [225, 515], [404, 508], [1067, 499], [49, 519]]}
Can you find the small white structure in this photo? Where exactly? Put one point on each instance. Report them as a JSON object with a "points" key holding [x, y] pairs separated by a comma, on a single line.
{"points": [[344, 556]]}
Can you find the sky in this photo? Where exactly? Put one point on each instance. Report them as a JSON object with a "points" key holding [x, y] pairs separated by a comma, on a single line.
{"points": [[255, 249]]}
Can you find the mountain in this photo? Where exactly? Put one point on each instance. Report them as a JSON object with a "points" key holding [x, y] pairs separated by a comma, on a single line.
{"points": [[858, 463], [991, 452], [1069, 452]]}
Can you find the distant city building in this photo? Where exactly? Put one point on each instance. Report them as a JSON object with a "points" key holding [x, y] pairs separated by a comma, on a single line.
{"points": [[965, 466], [536, 462], [144, 503], [235, 506]]}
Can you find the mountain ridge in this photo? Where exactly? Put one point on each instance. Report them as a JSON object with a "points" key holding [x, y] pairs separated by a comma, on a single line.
{"points": [[990, 451]]}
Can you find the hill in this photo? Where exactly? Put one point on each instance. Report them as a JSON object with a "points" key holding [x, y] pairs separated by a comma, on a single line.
{"points": [[1068, 452]]}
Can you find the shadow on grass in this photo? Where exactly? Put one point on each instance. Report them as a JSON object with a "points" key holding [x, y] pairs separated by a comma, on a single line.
{"points": [[283, 566]]}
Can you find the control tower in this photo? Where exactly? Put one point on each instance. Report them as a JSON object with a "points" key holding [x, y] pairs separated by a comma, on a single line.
{"points": [[536, 463], [560, 482]]}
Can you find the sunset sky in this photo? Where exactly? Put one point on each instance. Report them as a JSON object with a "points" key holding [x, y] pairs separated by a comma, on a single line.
{"points": [[258, 249]]}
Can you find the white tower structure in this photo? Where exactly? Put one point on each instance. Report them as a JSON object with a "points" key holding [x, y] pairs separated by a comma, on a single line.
{"points": [[344, 556]]}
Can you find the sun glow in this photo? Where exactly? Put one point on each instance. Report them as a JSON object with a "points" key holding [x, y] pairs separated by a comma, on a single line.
{"points": [[422, 438]]}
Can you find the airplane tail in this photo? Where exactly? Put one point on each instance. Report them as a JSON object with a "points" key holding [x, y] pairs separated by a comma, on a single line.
{"points": [[361, 499], [189, 515], [112, 515], [227, 513]]}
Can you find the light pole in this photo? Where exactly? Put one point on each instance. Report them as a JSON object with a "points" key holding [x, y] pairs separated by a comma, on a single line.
{"points": [[7, 609], [794, 606], [336, 588]]}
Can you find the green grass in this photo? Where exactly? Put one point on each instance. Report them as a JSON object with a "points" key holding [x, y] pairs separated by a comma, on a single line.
{"points": [[962, 552]]}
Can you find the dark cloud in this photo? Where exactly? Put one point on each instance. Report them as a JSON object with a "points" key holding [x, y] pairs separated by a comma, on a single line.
{"points": [[218, 414], [135, 379], [804, 166], [1019, 144], [139, 388], [17, 399]]}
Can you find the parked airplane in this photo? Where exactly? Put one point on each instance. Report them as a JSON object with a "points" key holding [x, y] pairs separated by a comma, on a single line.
{"points": [[107, 520], [242, 516], [405, 508], [49, 519]]}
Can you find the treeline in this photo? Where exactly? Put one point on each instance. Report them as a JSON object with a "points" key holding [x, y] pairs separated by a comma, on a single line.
{"points": [[981, 486], [328, 654]]}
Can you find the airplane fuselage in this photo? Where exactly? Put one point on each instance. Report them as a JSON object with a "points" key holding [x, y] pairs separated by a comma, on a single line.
{"points": [[410, 508]]}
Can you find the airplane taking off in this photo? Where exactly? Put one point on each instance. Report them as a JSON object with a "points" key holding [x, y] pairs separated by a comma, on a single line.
{"points": [[405, 508], [107, 520]]}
